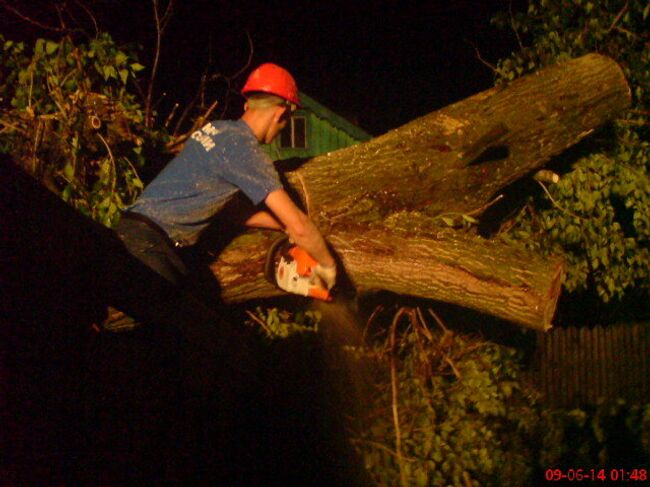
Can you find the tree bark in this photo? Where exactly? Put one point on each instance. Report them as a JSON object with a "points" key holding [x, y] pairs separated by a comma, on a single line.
{"points": [[456, 268], [457, 158], [381, 204]]}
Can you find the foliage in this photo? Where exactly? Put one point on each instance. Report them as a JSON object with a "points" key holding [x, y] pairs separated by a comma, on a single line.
{"points": [[598, 215], [602, 436], [275, 323], [68, 117], [448, 409]]}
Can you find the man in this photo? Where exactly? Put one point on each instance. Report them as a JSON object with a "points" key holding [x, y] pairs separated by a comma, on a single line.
{"points": [[219, 160]]}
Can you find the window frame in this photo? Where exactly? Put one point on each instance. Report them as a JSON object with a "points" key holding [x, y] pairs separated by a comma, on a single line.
{"points": [[291, 127]]}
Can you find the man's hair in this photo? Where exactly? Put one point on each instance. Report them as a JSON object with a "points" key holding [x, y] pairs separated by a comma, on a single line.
{"points": [[264, 100]]}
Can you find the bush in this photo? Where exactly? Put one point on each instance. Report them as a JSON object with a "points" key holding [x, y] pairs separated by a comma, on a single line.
{"points": [[68, 117], [598, 215], [276, 324], [447, 409], [603, 436]]}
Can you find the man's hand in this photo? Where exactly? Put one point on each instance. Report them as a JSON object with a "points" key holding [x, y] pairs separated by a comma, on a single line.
{"points": [[299, 227], [327, 274]]}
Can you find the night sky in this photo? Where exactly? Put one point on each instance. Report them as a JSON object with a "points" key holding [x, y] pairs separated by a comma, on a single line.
{"points": [[379, 63]]}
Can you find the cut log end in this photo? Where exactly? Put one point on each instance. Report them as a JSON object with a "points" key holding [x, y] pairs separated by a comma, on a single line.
{"points": [[554, 292]]}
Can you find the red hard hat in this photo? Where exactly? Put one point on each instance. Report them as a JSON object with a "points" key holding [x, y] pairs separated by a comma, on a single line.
{"points": [[274, 80]]}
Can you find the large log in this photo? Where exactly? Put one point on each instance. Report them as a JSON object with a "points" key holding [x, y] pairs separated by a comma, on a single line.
{"points": [[458, 269], [457, 158], [452, 161]]}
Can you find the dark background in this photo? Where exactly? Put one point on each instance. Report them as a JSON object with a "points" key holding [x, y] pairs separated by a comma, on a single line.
{"points": [[379, 63]]}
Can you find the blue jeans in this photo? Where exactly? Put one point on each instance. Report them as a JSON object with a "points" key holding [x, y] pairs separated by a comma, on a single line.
{"points": [[153, 248]]}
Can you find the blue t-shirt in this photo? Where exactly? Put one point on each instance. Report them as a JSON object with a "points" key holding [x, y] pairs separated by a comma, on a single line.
{"points": [[218, 160]]}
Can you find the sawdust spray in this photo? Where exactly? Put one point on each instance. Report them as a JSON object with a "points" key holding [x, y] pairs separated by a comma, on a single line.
{"points": [[342, 331]]}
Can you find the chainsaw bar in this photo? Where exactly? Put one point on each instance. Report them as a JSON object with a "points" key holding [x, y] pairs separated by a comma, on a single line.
{"points": [[273, 256]]}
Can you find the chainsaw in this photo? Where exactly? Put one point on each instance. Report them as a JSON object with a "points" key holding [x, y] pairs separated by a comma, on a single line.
{"points": [[290, 268]]}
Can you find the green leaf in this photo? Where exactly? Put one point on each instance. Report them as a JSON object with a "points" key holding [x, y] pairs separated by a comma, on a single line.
{"points": [[51, 47], [67, 192], [120, 58], [124, 75], [448, 221], [137, 67], [104, 203], [469, 219], [68, 172], [109, 72]]}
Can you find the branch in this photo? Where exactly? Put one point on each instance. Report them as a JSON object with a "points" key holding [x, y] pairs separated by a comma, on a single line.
{"points": [[481, 209], [260, 322], [556, 204], [453, 367], [438, 320], [176, 145], [376, 311], [171, 115], [251, 50], [110, 154], [238, 73], [618, 17], [393, 381], [478, 56], [200, 93], [90, 15], [512, 24], [22, 16], [154, 68], [161, 24], [628, 32], [167, 16], [423, 325], [13, 127], [59, 12], [381, 446], [189, 107], [638, 123]]}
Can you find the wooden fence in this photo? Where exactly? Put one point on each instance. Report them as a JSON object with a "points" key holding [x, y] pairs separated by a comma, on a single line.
{"points": [[577, 366]]}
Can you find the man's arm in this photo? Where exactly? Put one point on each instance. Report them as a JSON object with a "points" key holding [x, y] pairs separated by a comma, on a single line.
{"points": [[263, 219], [299, 227]]}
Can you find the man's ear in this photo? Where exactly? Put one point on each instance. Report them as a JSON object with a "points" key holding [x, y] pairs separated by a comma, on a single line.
{"points": [[279, 112], [246, 106]]}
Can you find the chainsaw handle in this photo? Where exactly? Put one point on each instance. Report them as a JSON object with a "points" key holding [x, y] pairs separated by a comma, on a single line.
{"points": [[327, 274]]}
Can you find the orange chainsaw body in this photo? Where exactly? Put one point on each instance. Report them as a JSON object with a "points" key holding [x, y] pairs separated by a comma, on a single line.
{"points": [[291, 268]]}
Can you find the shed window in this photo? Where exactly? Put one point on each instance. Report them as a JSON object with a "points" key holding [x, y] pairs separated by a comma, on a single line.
{"points": [[294, 134]]}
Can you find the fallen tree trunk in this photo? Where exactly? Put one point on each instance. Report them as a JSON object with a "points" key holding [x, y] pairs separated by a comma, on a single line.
{"points": [[450, 162], [456, 159], [458, 269]]}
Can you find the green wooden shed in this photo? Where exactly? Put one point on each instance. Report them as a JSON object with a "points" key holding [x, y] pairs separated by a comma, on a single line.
{"points": [[312, 130]]}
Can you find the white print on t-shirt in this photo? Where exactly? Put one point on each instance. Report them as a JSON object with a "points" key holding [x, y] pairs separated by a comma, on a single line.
{"points": [[203, 136]]}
